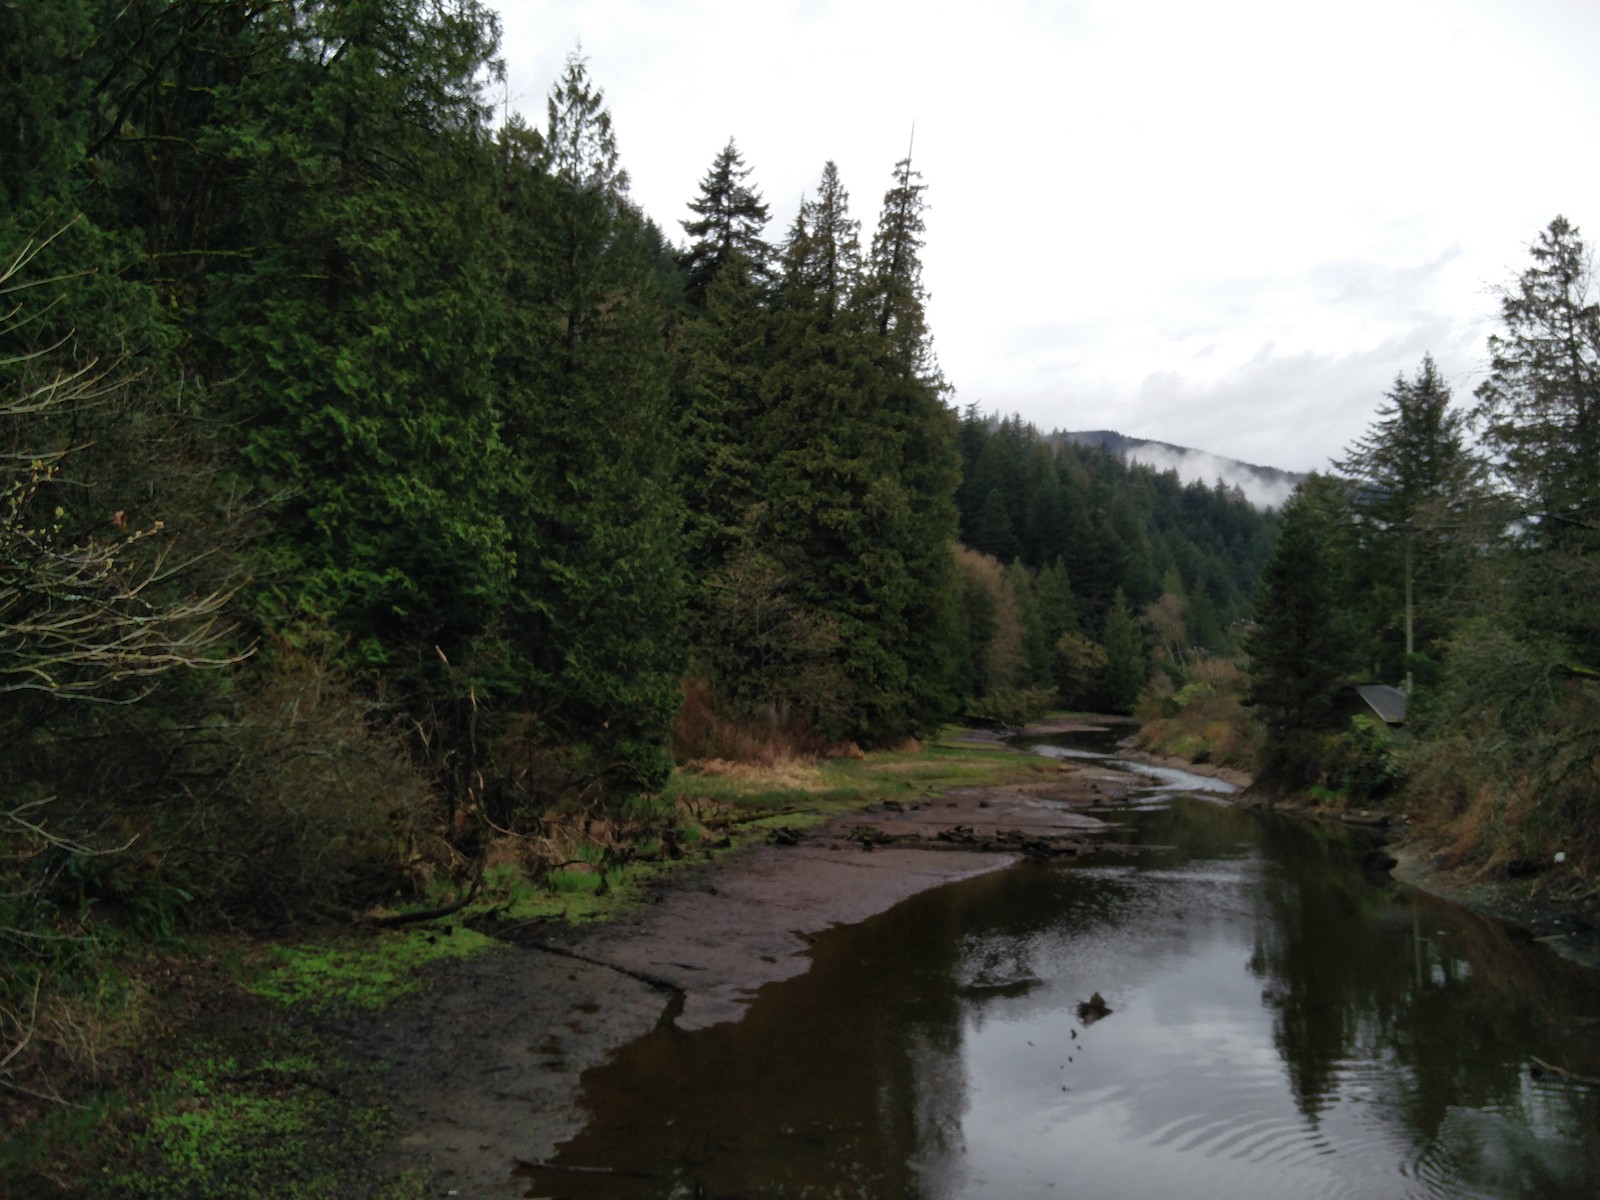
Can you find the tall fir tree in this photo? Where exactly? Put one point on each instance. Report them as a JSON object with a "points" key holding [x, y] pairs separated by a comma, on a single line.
{"points": [[1539, 409], [1057, 617], [1411, 476], [926, 429], [597, 533], [358, 313], [834, 500], [727, 229], [1125, 657], [1297, 648], [720, 361]]}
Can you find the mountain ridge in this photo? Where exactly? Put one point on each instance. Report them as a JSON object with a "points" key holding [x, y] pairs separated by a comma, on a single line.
{"points": [[1264, 487]]}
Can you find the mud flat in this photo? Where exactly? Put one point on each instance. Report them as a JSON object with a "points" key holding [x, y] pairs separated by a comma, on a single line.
{"points": [[486, 1062]]}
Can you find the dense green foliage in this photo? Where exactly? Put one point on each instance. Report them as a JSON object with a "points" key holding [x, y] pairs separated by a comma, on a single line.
{"points": [[1078, 526], [1470, 577], [1299, 655], [376, 481], [1112, 524]]}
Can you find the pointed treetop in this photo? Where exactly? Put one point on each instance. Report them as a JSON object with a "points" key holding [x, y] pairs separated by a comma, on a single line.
{"points": [[579, 146], [824, 252], [895, 277], [1414, 450], [730, 218], [1539, 409]]}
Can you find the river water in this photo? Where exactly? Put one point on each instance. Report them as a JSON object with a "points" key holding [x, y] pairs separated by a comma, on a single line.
{"points": [[1280, 1025]]}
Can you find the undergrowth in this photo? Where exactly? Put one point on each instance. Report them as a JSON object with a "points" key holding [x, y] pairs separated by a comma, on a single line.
{"points": [[1204, 720]]}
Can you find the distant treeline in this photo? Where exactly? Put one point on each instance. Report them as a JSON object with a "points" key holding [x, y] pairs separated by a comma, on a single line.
{"points": [[378, 477]]}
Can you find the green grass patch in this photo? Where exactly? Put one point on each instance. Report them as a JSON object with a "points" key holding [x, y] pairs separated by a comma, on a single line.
{"points": [[364, 973], [786, 820], [254, 1119], [832, 786]]}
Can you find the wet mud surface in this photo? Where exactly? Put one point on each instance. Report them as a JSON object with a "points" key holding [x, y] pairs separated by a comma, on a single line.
{"points": [[486, 1062]]}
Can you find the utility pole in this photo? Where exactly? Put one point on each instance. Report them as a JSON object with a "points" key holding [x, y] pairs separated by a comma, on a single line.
{"points": [[1411, 647]]}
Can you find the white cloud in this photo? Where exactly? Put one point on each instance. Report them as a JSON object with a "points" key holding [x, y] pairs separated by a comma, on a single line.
{"points": [[1226, 224]]}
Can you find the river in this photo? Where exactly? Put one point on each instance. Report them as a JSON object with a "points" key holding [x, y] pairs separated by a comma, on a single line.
{"points": [[1279, 1024]]}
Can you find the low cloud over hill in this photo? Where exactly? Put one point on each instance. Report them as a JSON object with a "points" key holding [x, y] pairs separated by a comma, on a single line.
{"points": [[1265, 487]]}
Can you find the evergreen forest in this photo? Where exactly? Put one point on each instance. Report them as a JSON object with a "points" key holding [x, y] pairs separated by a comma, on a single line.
{"points": [[380, 480]]}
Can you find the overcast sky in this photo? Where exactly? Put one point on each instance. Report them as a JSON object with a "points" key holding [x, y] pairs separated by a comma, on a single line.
{"points": [[1222, 223]]}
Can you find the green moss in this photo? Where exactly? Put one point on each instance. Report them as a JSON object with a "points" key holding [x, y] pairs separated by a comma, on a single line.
{"points": [[574, 881], [1188, 746], [253, 1127], [367, 973]]}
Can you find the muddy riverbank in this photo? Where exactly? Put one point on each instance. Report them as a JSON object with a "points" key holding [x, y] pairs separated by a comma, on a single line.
{"points": [[486, 1063]]}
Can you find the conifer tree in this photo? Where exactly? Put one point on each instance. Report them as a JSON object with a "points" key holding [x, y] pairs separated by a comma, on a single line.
{"points": [[1525, 662], [721, 360], [991, 531], [835, 503], [1539, 410], [1411, 474], [44, 93], [1297, 649], [357, 316], [925, 426], [1057, 618], [893, 291], [1125, 659], [730, 219], [599, 584]]}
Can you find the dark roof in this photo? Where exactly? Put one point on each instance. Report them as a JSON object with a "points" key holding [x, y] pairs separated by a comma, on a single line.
{"points": [[1388, 702]]}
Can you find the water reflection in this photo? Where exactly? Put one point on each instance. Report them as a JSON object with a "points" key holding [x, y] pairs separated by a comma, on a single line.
{"points": [[1280, 1025]]}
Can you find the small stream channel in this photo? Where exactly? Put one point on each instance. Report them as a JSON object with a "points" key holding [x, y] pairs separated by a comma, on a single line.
{"points": [[1281, 1025]]}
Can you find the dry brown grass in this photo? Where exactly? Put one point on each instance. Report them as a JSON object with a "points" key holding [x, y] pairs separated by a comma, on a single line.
{"points": [[1481, 814], [72, 1038], [707, 727], [800, 773]]}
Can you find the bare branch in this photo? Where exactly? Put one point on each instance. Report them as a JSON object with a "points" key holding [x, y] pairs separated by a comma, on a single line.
{"points": [[81, 618]]}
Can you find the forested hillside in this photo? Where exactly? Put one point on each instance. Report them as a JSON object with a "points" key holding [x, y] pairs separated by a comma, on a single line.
{"points": [[380, 480]]}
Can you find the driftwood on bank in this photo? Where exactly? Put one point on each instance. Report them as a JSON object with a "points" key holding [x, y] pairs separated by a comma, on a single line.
{"points": [[390, 920]]}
